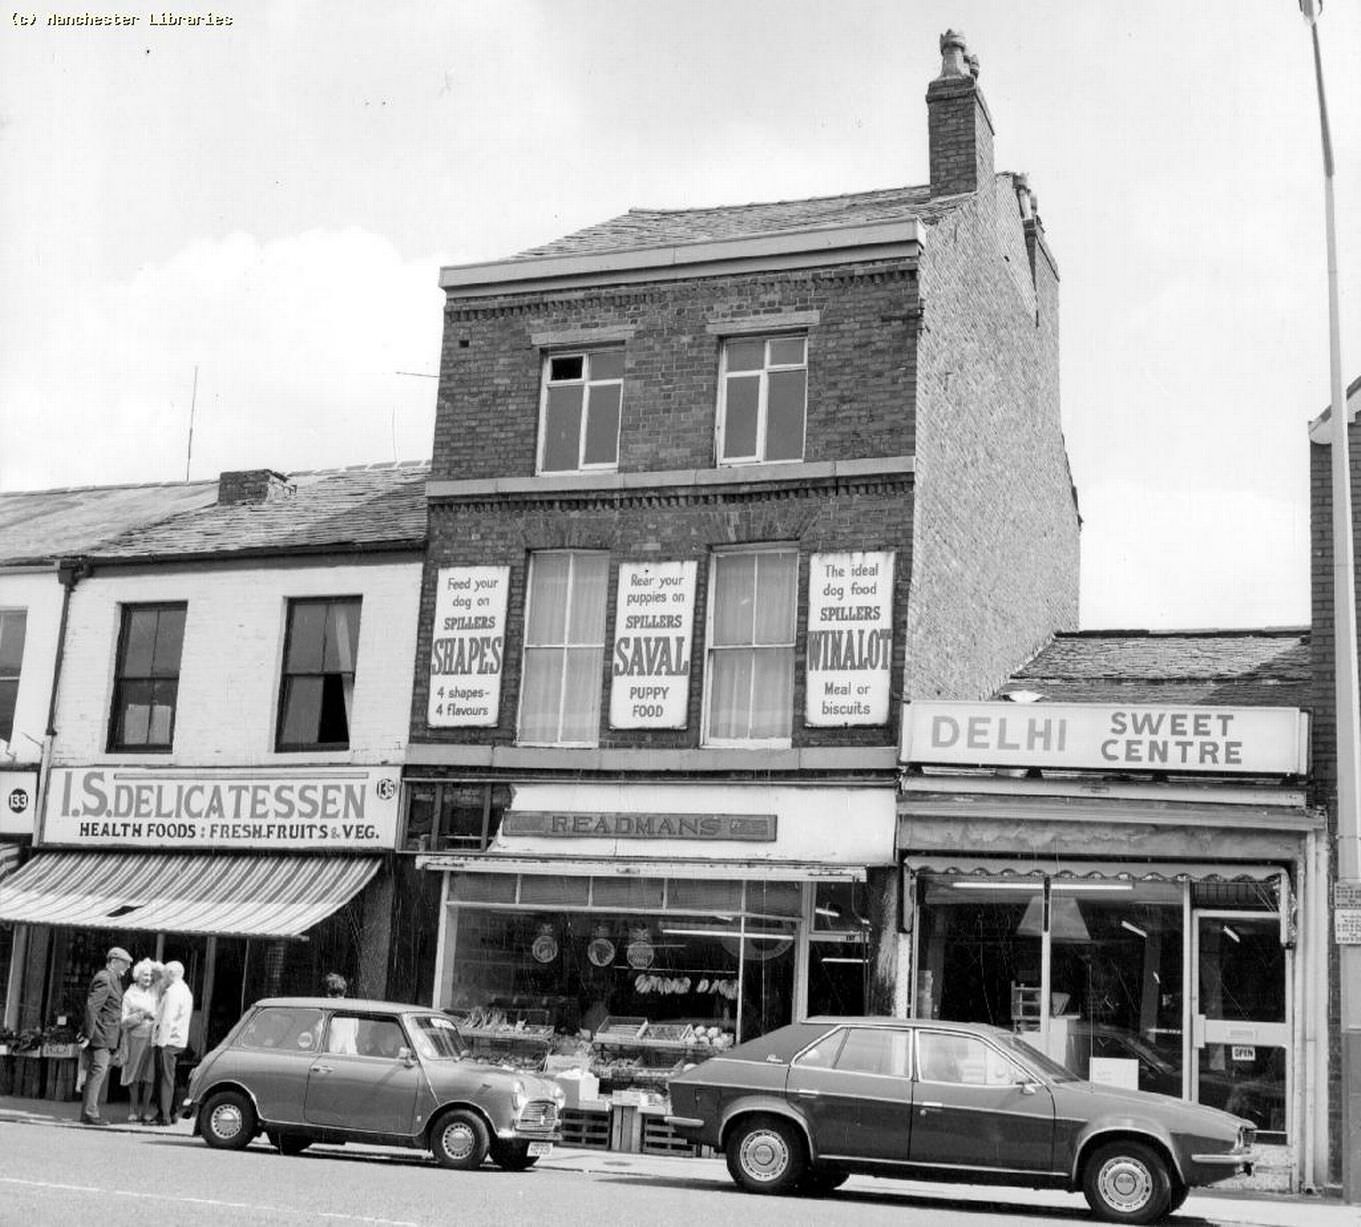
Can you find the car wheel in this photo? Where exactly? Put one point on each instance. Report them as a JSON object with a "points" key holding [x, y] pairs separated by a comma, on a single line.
{"points": [[1127, 1182], [227, 1121], [766, 1155], [1179, 1195], [819, 1180], [512, 1156], [288, 1143], [459, 1139]]}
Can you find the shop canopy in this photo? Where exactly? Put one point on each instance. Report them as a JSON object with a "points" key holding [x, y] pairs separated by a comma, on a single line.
{"points": [[9, 858], [584, 866], [1095, 871], [228, 895]]}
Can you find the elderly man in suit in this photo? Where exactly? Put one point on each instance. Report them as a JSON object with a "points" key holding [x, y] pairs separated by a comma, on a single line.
{"points": [[103, 1023]]}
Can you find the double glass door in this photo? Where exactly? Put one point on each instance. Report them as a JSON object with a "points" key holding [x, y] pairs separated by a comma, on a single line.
{"points": [[1240, 1017]]}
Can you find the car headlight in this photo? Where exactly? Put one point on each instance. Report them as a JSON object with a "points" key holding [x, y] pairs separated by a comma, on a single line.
{"points": [[559, 1096], [517, 1095], [1246, 1136]]}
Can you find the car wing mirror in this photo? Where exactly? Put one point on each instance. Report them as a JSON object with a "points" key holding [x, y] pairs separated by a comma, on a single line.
{"points": [[406, 1056], [1027, 1086]]}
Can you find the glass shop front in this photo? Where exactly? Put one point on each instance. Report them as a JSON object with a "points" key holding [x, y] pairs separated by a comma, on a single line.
{"points": [[623, 981], [1175, 986]]}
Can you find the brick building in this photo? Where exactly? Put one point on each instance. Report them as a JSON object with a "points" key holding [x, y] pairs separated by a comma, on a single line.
{"points": [[712, 491]]}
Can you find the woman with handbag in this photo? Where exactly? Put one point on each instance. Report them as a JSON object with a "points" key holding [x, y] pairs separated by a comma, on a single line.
{"points": [[139, 1057]]}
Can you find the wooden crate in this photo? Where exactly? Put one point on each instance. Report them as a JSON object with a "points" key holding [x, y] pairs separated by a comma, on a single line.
{"points": [[585, 1128], [659, 1138]]}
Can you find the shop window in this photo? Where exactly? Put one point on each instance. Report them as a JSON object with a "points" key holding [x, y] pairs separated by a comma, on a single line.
{"points": [[564, 649], [763, 394], [484, 887], [551, 889], [838, 955], [317, 695], [704, 895], [453, 816], [628, 894], [147, 678], [13, 624], [579, 419], [749, 683], [775, 898]]}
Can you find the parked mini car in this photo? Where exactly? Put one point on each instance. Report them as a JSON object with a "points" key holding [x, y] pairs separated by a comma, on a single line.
{"points": [[322, 1069], [805, 1106]]}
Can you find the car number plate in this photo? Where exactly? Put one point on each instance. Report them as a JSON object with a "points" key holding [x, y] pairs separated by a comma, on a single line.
{"points": [[539, 1149]]}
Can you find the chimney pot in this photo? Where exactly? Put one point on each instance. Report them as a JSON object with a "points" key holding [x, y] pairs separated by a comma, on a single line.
{"points": [[959, 126]]}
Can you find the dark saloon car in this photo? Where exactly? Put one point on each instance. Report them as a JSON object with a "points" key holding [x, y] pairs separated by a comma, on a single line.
{"points": [[323, 1069], [803, 1107]]}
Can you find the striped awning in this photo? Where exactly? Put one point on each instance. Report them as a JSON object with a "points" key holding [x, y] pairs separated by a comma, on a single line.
{"points": [[230, 895], [9, 857]]}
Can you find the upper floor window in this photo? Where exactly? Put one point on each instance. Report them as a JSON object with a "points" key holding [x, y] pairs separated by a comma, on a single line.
{"points": [[763, 393], [13, 626], [317, 694], [750, 679], [147, 680], [564, 648], [579, 426]]}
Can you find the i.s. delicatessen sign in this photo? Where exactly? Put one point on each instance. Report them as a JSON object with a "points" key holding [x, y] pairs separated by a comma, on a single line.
{"points": [[468, 647], [850, 638], [650, 657], [324, 807]]}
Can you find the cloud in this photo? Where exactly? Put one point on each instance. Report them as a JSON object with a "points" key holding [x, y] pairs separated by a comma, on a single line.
{"points": [[297, 344]]}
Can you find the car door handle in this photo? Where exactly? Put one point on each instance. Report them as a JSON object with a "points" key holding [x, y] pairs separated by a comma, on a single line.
{"points": [[323, 1069], [930, 1103], [808, 1094]]}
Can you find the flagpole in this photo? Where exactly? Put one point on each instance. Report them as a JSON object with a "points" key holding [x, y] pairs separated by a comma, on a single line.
{"points": [[1348, 724]]}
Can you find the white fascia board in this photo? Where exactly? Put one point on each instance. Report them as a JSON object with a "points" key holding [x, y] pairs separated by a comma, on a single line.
{"points": [[1321, 430], [794, 248]]}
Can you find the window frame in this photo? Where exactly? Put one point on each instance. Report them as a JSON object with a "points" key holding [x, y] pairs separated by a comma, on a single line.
{"points": [[721, 459], [711, 607], [116, 744], [586, 383], [8, 718], [290, 604], [563, 647]]}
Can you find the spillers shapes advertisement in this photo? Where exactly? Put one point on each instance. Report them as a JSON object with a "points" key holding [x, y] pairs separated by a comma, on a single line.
{"points": [[467, 648]]}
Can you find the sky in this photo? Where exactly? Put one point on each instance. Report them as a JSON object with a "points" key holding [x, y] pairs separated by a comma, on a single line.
{"points": [[244, 223]]}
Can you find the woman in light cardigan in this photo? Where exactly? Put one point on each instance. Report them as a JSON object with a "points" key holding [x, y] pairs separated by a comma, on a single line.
{"points": [[139, 1059]]}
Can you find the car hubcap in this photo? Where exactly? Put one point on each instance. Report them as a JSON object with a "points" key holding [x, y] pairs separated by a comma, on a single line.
{"points": [[227, 1120], [458, 1141], [764, 1155], [1125, 1184]]}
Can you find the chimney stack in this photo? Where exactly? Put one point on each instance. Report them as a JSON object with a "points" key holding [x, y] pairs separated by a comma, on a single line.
{"points": [[252, 486], [958, 122]]}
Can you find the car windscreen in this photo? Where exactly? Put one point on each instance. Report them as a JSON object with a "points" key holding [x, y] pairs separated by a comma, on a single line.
{"points": [[436, 1038], [1037, 1060]]}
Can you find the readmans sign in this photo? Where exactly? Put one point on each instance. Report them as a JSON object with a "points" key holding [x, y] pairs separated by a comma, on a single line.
{"points": [[1215, 740]]}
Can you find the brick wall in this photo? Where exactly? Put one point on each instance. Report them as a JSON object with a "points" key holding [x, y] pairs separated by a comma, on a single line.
{"points": [[996, 527], [860, 367], [868, 514]]}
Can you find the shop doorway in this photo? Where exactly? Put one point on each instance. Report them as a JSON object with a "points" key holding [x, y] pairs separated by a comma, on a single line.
{"points": [[1240, 1017]]}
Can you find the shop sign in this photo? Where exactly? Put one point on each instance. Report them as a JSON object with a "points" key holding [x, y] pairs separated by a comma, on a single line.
{"points": [[850, 639], [1217, 740], [340, 807], [650, 657], [18, 802], [467, 647], [757, 827]]}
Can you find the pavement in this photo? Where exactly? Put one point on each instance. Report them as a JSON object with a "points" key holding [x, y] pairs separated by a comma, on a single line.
{"points": [[1206, 1206]]}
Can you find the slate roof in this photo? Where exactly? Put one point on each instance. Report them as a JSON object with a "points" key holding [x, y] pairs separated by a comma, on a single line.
{"points": [[359, 508], [1253, 668], [640, 228], [40, 526]]}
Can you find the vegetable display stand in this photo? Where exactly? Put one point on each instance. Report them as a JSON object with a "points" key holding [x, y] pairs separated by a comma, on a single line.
{"points": [[28, 1075], [60, 1082], [588, 1128], [626, 1128], [659, 1138], [6, 1074]]}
